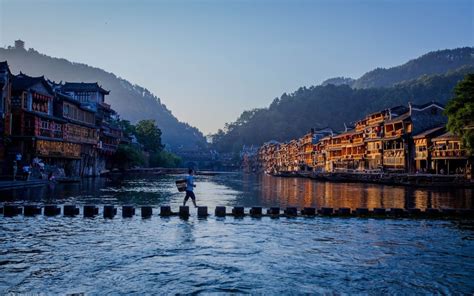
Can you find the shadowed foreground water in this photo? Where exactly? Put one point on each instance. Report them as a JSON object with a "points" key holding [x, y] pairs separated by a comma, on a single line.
{"points": [[60, 255]]}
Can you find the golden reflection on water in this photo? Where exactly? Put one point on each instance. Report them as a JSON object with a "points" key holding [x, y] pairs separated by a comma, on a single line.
{"points": [[301, 192]]}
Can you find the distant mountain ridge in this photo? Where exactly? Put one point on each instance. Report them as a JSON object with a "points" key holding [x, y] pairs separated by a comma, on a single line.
{"points": [[339, 81], [131, 101], [435, 62]]}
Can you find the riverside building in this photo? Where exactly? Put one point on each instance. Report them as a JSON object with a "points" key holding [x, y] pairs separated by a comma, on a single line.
{"points": [[401, 139], [50, 127]]}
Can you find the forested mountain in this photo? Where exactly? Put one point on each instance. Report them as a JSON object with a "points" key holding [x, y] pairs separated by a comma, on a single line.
{"points": [[132, 102], [435, 62], [292, 115]]}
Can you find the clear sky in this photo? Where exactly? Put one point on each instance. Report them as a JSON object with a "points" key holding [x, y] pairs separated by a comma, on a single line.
{"points": [[210, 60]]}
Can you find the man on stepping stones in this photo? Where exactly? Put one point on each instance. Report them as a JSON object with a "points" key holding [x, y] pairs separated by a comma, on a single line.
{"points": [[189, 188]]}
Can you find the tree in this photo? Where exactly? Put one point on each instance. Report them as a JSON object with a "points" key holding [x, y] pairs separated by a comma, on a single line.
{"points": [[127, 127], [128, 156], [149, 135], [164, 159], [460, 112]]}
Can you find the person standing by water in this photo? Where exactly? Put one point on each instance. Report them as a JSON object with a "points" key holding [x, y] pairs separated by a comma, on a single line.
{"points": [[190, 188]]}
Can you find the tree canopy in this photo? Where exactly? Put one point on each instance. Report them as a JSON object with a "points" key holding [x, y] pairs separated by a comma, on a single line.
{"points": [[149, 135], [460, 112]]}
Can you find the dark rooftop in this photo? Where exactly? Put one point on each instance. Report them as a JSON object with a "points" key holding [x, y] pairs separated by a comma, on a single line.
{"points": [[431, 132], [4, 67], [23, 82], [423, 106], [446, 136], [402, 117], [83, 86]]}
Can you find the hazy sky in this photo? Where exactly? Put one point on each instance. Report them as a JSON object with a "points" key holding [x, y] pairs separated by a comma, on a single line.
{"points": [[210, 60]]}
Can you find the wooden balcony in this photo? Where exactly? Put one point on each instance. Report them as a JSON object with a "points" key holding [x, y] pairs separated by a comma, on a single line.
{"points": [[48, 133], [371, 136], [109, 147], [84, 140], [373, 151], [47, 148], [394, 133], [421, 155], [394, 161], [450, 154], [376, 120]]}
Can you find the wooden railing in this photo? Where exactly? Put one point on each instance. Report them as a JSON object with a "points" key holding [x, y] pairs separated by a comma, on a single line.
{"points": [[394, 133], [109, 147], [421, 154], [450, 153], [374, 151], [394, 160], [374, 135], [56, 134], [375, 120], [85, 140]]}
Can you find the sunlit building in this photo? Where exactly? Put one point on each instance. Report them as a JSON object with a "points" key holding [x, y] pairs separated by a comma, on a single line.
{"points": [[424, 149], [399, 139], [449, 156], [398, 148]]}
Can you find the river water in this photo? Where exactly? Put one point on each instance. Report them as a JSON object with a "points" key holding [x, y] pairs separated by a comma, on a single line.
{"points": [[60, 255]]}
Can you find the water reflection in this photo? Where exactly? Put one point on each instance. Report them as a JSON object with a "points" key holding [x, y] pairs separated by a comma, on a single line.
{"points": [[245, 190], [309, 193]]}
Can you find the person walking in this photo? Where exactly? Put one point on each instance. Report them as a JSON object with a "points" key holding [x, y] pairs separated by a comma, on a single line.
{"points": [[190, 188]]}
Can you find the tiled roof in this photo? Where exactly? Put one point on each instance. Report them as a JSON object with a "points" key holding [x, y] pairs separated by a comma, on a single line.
{"points": [[4, 66], [23, 82], [83, 86], [397, 110], [399, 118], [67, 98], [446, 136], [47, 116], [423, 106], [424, 120], [431, 132]]}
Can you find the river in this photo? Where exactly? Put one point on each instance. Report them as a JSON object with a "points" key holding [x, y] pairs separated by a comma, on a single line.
{"points": [[59, 255]]}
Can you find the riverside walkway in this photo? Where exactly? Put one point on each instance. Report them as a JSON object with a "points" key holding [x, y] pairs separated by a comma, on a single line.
{"points": [[7, 185]]}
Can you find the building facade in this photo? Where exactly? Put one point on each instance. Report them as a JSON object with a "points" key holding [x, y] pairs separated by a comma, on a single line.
{"points": [[67, 126], [399, 139]]}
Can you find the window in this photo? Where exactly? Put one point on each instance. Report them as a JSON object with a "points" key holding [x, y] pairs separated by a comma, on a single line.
{"points": [[25, 101], [66, 110]]}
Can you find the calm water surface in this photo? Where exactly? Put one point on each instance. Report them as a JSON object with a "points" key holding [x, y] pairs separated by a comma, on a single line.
{"points": [[61, 255]]}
